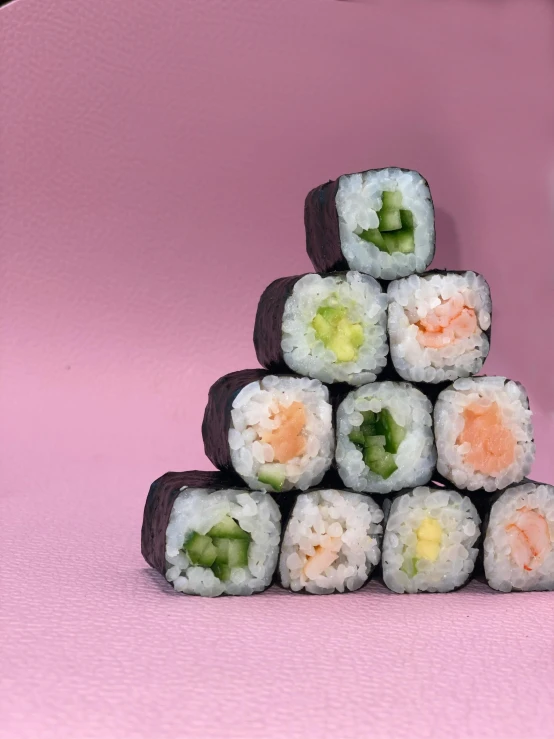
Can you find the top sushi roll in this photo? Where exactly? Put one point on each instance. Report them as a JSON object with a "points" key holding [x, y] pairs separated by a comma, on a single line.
{"points": [[380, 222]]}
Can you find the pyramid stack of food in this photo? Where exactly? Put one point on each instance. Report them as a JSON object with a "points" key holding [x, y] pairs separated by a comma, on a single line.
{"points": [[367, 441]]}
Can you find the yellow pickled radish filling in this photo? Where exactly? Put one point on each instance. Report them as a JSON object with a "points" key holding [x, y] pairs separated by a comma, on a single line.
{"points": [[429, 536], [342, 336]]}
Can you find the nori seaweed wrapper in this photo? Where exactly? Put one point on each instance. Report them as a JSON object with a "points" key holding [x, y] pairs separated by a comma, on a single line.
{"points": [[217, 417], [269, 321], [331, 481], [159, 504], [443, 384], [321, 221]]}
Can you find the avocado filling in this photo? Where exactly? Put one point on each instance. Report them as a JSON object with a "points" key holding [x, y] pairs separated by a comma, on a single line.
{"points": [[224, 546], [342, 336], [378, 438], [396, 226], [429, 537]]}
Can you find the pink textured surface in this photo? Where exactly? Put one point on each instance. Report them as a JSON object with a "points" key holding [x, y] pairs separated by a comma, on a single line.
{"points": [[145, 146]]}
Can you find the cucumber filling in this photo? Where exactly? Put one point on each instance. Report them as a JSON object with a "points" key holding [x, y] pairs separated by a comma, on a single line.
{"points": [[224, 546], [396, 226], [333, 327], [378, 438]]}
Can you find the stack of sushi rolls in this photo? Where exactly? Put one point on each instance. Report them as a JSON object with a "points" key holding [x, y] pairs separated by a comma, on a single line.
{"points": [[365, 444]]}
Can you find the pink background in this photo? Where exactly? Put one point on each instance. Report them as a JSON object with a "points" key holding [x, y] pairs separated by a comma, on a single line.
{"points": [[148, 147]]}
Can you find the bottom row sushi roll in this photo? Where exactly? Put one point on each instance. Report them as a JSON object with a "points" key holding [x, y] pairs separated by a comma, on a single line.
{"points": [[519, 543], [331, 542], [210, 540], [430, 542]]}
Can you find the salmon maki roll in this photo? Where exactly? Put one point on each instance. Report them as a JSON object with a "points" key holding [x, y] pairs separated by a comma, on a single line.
{"points": [[439, 325], [430, 542], [380, 222], [519, 543], [484, 433], [274, 431], [209, 538], [331, 542]]}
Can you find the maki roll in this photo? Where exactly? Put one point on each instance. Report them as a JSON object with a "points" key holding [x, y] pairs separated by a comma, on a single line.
{"points": [[331, 542], [519, 542], [207, 538], [276, 432], [439, 325], [484, 433], [430, 541], [385, 438], [332, 328], [380, 222]]}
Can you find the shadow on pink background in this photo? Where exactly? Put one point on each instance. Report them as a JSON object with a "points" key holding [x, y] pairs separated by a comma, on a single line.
{"points": [[155, 159]]}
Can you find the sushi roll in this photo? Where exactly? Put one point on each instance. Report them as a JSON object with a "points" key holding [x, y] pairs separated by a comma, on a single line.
{"points": [[484, 433], [385, 438], [380, 222], [331, 542], [207, 538], [430, 542], [439, 325], [276, 432], [519, 541], [332, 328]]}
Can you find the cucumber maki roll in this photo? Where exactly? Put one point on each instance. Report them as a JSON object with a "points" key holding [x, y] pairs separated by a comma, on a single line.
{"points": [[332, 328], [380, 222], [209, 539], [519, 542], [430, 542], [484, 433], [275, 432], [439, 325], [384, 438], [331, 542]]}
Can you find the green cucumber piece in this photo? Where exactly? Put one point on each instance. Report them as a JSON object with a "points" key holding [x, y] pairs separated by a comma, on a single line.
{"points": [[238, 553], [200, 550], [391, 199], [374, 440], [389, 220], [228, 528], [222, 547], [222, 571], [357, 437], [373, 236], [393, 432], [405, 242], [407, 219], [272, 474], [379, 461], [409, 566]]}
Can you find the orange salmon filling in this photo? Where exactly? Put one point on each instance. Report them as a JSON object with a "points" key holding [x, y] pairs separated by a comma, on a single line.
{"points": [[493, 446], [529, 538], [287, 440], [447, 323]]}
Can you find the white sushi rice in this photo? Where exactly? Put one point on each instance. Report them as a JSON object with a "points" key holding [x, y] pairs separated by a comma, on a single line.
{"points": [[251, 416], [410, 300], [323, 514], [449, 423], [359, 197], [416, 456], [304, 353], [198, 510], [501, 571], [459, 521]]}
